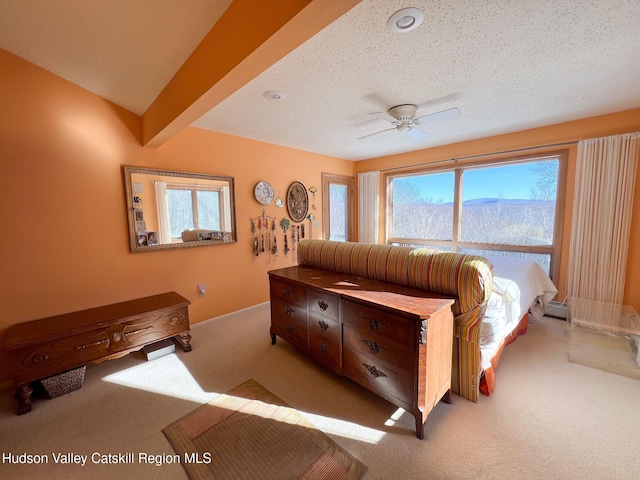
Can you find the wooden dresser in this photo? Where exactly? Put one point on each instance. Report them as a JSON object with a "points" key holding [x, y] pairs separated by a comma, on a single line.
{"points": [[53, 345], [393, 340]]}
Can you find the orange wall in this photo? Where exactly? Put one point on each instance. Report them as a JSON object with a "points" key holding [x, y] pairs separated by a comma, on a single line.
{"points": [[64, 244], [534, 141]]}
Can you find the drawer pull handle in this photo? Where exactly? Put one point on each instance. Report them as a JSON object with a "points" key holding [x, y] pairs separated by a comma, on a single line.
{"points": [[324, 347], [287, 293], [323, 305], [375, 373], [323, 325], [374, 347], [289, 310], [95, 344], [373, 324], [126, 334], [174, 321], [289, 328]]}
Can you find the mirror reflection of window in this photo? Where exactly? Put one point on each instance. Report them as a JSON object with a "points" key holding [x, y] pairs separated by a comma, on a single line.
{"points": [[178, 209], [209, 210], [180, 212], [193, 209], [188, 208]]}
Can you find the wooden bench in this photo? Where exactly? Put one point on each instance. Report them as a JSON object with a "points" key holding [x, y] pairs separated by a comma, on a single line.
{"points": [[49, 346]]}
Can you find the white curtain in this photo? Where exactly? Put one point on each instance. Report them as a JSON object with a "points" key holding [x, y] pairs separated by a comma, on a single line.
{"points": [[164, 233], [368, 201], [602, 207]]}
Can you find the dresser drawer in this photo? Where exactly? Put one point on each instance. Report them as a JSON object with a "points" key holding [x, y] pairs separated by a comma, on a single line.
{"points": [[286, 312], [379, 348], [324, 304], [289, 322], [291, 293], [366, 319], [379, 377], [324, 326], [326, 351]]}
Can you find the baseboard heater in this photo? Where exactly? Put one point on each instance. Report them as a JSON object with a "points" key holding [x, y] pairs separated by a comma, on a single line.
{"points": [[556, 310]]}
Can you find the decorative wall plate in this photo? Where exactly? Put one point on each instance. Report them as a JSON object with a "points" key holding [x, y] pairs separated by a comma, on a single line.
{"points": [[297, 201], [264, 193]]}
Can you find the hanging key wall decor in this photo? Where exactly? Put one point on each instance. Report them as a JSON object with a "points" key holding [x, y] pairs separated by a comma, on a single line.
{"points": [[263, 231]]}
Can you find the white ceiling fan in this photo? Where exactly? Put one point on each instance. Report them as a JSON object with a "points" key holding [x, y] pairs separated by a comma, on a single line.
{"points": [[403, 118]]}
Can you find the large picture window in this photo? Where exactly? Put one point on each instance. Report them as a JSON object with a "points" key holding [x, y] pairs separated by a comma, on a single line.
{"points": [[508, 207], [422, 206]]}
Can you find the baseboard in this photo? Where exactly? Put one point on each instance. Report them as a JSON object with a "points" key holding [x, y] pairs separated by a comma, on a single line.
{"points": [[556, 310], [226, 315]]}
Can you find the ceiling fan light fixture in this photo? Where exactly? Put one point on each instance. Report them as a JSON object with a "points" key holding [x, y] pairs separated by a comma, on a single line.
{"points": [[405, 20], [273, 95]]}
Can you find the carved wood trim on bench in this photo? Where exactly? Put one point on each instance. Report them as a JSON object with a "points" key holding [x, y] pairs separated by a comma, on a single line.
{"points": [[49, 346]]}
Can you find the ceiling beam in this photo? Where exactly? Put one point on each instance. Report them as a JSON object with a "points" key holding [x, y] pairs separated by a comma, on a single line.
{"points": [[250, 37]]}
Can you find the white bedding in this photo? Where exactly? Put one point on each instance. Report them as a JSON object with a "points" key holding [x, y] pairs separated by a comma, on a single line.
{"points": [[519, 285]]}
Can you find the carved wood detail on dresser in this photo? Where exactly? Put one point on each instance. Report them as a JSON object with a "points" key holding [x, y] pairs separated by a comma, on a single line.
{"points": [[395, 341], [45, 347]]}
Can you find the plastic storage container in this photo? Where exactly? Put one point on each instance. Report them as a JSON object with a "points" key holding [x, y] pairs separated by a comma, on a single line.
{"points": [[605, 336]]}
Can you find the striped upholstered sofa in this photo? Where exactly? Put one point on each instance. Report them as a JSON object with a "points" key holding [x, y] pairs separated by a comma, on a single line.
{"points": [[467, 279]]}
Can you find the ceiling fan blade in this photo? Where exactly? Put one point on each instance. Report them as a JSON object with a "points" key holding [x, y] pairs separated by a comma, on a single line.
{"points": [[384, 116], [436, 117], [416, 133], [376, 133]]}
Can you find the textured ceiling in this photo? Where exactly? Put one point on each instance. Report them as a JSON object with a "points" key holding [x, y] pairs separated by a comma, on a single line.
{"points": [[508, 65]]}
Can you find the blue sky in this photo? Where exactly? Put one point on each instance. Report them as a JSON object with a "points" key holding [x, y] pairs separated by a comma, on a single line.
{"points": [[508, 182]]}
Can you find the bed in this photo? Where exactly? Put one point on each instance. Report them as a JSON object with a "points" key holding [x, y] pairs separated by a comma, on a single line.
{"points": [[468, 279], [520, 287]]}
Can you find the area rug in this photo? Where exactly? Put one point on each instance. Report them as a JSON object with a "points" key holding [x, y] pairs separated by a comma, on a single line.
{"points": [[249, 433]]}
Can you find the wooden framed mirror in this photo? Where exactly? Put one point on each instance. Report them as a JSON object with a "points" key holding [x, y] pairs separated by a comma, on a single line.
{"points": [[168, 209]]}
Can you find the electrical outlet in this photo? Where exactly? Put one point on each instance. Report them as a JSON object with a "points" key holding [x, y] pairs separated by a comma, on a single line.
{"points": [[202, 289]]}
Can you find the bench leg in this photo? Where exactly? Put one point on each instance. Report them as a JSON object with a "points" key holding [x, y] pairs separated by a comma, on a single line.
{"points": [[184, 340], [23, 396]]}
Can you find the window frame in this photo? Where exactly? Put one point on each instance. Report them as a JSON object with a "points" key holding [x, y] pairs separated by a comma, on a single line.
{"points": [[348, 182], [459, 167]]}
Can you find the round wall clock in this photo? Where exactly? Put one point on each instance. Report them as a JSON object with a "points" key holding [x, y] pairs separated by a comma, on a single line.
{"points": [[297, 202], [264, 193]]}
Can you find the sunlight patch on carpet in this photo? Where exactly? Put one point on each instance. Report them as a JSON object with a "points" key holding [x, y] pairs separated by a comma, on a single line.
{"points": [[165, 376], [345, 429], [395, 416], [168, 376]]}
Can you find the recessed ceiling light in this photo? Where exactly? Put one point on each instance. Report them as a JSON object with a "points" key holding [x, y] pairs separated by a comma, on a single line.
{"points": [[405, 20], [271, 95]]}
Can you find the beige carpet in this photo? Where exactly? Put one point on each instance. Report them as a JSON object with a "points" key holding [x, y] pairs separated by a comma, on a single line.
{"points": [[548, 417], [250, 433]]}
